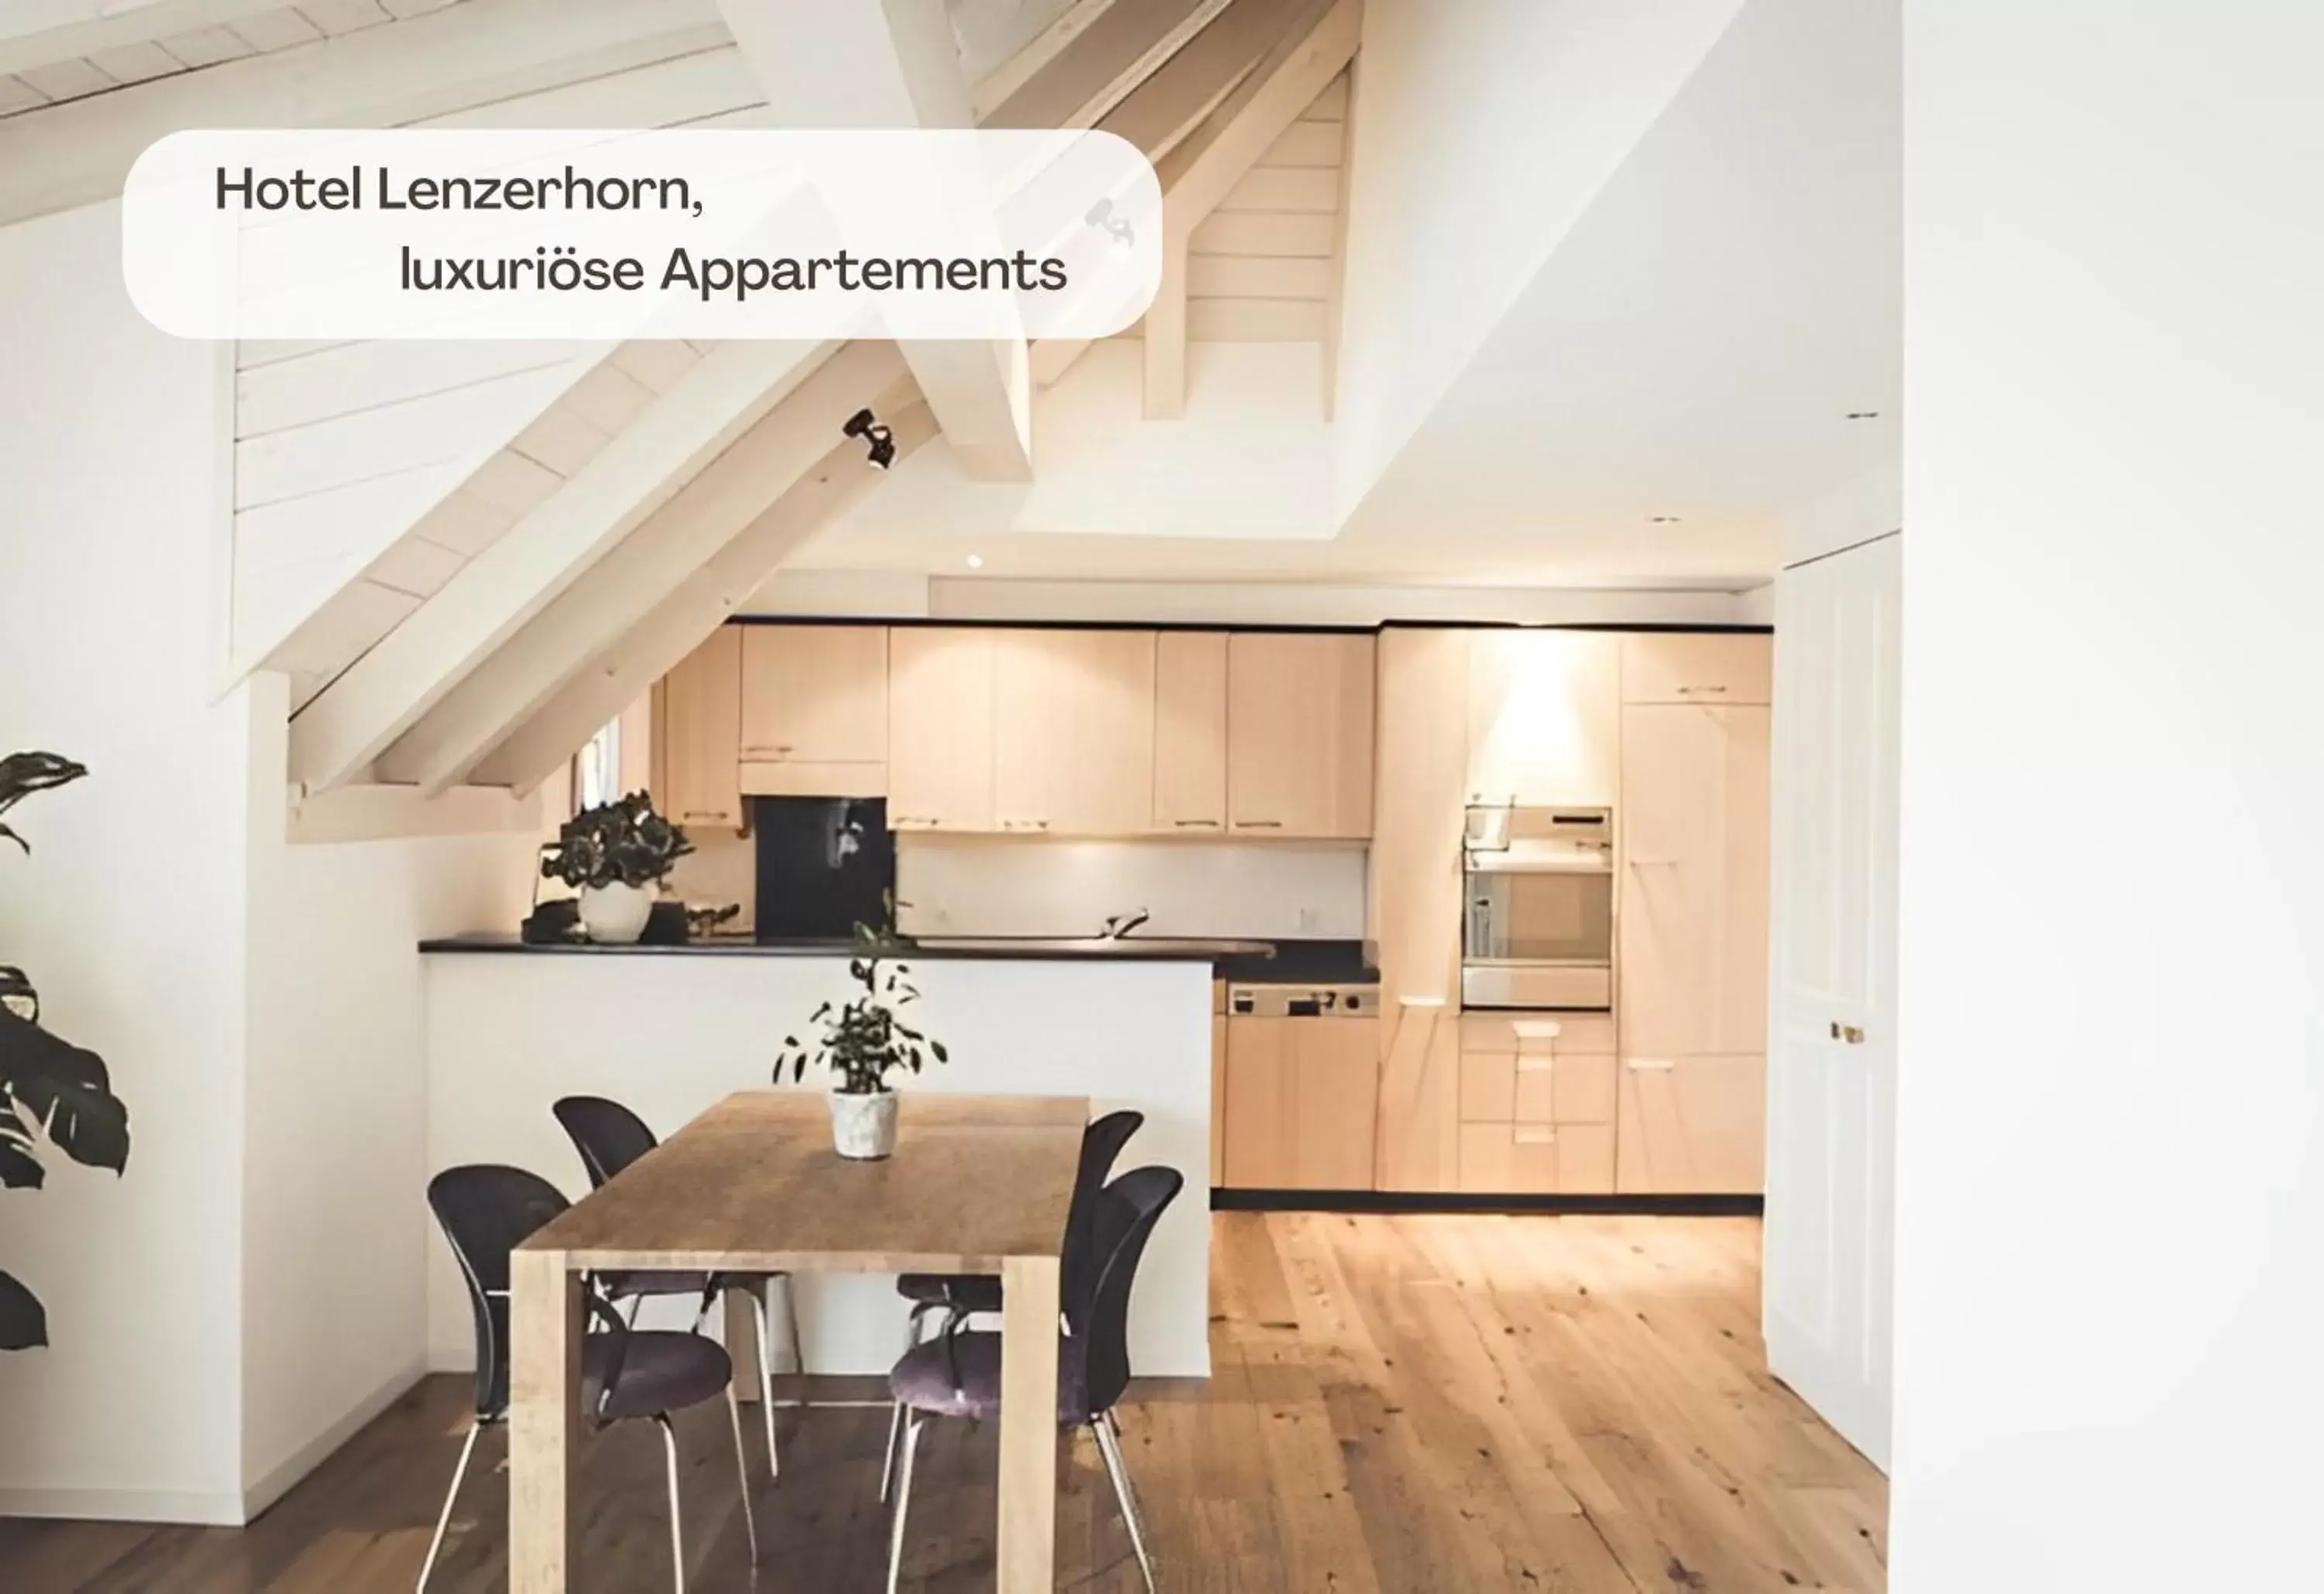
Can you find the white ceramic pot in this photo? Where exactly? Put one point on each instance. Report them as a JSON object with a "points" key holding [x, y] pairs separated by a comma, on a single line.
{"points": [[616, 914], [863, 1126]]}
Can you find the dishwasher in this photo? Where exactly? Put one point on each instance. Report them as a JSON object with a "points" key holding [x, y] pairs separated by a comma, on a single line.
{"points": [[1302, 1088]]}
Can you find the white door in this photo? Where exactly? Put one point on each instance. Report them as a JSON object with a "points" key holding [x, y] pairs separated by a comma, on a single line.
{"points": [[1831, 1053]]}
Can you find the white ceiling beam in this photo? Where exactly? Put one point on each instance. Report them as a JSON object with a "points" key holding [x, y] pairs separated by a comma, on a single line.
{"points": [[384, 693], [79, 152], [1184, 93], [894, 63], [655, 645], [1097, 69], [705, 515], [37, 33], [1197, 174]]}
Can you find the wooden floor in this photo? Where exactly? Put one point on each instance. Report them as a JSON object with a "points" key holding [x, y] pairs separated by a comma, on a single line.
{"points": [[1561, 1406]]}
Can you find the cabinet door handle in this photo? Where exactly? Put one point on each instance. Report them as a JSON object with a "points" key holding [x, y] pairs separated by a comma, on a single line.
{"points": [[1259, 825], [1195, 824], [1648, 1064], [1690, 691]]}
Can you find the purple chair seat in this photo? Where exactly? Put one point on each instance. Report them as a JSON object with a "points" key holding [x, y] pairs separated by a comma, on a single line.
{"points": [[958, 1375], [660, 1371]]}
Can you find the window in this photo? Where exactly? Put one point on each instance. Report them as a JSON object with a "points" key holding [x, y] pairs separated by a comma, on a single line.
{"points": [[597, 768]]}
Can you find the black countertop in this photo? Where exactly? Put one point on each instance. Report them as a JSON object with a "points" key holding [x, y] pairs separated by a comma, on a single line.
{"points": [[1292, 963]]}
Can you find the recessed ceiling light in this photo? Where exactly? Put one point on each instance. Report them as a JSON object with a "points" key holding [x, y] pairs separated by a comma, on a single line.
{"points": [[1863, 415], [977, 561], [1662, 520]]}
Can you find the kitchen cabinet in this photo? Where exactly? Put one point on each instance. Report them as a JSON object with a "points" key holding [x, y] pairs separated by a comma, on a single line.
{"points": [[1190, 731], [1692, 1125], [1537, 1159], [1698, 666], [1072, 731], [1545, 718], [1299, 733], [1538, 1103], [814, 710], [1693, 965], [1302, 1100], [701, 729], [940, 728]]}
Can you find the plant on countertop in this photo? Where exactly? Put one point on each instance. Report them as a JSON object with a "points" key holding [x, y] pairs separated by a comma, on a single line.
{"points": [[624, 843], [864, 1039], [46, 1085]]}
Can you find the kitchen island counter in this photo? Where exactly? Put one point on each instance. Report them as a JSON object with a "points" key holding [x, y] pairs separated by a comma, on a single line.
{"points": [[670, 1031]]}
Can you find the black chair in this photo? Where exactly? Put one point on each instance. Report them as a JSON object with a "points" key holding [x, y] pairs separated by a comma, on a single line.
{"points": [[610, 1138], [958, 1373], [960, 1295], [486, 1212]]}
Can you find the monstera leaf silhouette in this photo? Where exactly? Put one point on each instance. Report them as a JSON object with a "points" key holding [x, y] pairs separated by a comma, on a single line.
{"points": [[50, 1089]]}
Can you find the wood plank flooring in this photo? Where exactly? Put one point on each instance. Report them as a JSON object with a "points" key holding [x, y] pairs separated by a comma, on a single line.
{"points": [[1400, 1405]]}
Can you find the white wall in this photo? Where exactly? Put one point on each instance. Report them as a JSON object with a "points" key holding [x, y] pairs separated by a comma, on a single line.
{"points": [[129, 913], [2110, 1198], [1482, 133], [335, 1225], [947, 885]]}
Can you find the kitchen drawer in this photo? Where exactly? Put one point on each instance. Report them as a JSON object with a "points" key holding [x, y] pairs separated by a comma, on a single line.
{"points": [[1678, 667], [1537, 1087], [782, 778], [1566, 1033], [1536, 1159]]}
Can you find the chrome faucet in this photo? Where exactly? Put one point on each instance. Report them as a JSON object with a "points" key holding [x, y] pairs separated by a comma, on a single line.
{"points": [[1119, 927]]}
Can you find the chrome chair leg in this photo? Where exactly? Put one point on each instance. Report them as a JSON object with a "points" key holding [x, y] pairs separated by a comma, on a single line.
{"points": [[677, 1530], [766, 1376], [895, 1409], [1110, 1448], [903, 1502], [444, 1518], [742, 1467]]}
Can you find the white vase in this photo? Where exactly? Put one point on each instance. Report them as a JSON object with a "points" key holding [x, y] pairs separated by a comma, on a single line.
{"points": [[616, 914], [863, 1126]]}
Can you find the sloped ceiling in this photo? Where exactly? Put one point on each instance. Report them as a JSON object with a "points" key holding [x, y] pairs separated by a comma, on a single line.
{"points": [[1689, 348]]}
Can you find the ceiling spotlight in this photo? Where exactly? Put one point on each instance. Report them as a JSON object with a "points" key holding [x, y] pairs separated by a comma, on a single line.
{"points": [[1863, 415], [879, 440], [977, 561], [1101, 215], [1662, 520]]}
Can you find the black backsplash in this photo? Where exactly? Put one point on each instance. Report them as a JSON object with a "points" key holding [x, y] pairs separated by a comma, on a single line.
{"points": [[825, 865]]}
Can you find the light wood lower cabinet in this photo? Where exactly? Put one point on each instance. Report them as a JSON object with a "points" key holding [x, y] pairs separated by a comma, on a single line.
{"points": [[1302, 1100], [1536, 1159], [700, 724], [1537, 1103], [1692, 1125]]}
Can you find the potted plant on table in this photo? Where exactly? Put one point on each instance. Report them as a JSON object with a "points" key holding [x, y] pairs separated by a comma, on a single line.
{"points": [[615, 855], [863, 1040]]}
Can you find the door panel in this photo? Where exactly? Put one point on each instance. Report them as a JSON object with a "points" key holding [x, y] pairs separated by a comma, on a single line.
{"points": [[1830, 1219], [815, 694], [1190, 731], [940, 729], [1678, 667], [1299, 733], [1690, 1126], [701, 706], [1336, 1095], [1260, 1110]]}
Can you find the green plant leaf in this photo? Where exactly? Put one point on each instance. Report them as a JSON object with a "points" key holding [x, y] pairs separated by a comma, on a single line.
{"points": [[64, 1089], [18, 1168], [23, 1323]]}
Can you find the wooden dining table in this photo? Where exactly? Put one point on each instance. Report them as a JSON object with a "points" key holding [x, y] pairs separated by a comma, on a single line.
{"points": [[978, 1185]]}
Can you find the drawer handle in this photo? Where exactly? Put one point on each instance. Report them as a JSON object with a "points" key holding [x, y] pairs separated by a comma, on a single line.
{"points": [[1687, 691], [1535, 1063], [1648, 1064], [1259, 825], [1195, 824]]}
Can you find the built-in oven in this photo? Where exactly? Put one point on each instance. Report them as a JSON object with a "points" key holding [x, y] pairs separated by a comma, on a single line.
{"points": [[1538, 930]]}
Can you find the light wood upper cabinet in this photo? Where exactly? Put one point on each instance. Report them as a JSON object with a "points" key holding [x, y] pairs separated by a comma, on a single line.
{"points": [[1302, 1100], [701, 716], [1299, 733], [815, 694], [1545, 717], [1190, 731], [1689, 667], [1072, 733], [1694, 907], [940, 729]]}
